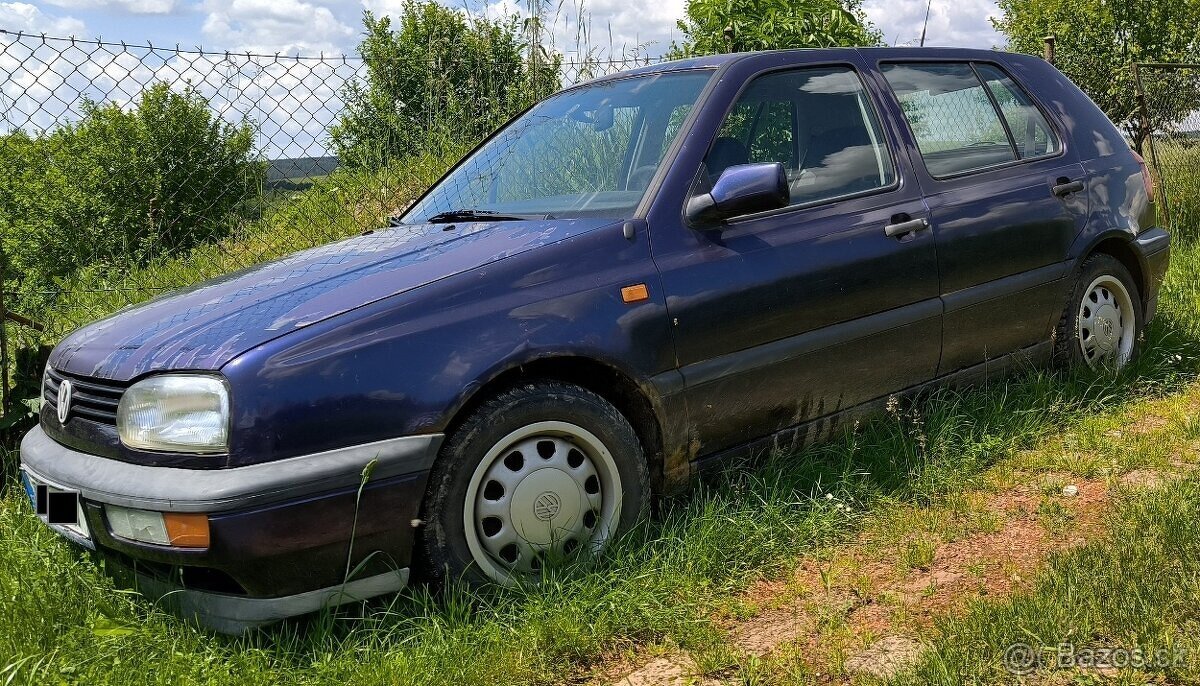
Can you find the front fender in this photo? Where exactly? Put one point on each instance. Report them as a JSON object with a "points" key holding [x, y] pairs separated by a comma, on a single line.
{"points": [[404, 365]]}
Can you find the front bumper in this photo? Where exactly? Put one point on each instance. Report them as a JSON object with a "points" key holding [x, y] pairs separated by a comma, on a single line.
{"points": [[280, 531], [230, 614]]}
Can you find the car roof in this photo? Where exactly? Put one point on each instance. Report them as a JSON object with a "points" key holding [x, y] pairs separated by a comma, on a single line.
{"points": [[714, 61]]}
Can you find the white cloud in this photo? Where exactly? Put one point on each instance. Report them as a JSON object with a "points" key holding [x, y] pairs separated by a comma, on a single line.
{"points": [[618, 26], [955, 23], [21, 16], [381, 8], [284, 26], [605, 28], [124, 6]]}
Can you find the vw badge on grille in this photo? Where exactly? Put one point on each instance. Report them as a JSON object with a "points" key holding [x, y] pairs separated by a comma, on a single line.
{"points": [[64, 400]]}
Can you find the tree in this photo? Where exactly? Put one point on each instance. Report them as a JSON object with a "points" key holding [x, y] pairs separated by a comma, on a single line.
{"points": [[718, 26], [1098, 40], [439, 76], [122, 187]]}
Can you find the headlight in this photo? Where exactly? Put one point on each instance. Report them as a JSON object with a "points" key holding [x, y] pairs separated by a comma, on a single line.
{"points": [[176, 413]]}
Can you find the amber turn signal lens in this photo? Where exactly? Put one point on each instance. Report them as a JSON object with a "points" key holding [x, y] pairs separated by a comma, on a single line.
{"points": [[187, 530], [634, 293]]}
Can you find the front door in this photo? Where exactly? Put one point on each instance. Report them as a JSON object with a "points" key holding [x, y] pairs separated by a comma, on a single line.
{"points": [[790, 315]]}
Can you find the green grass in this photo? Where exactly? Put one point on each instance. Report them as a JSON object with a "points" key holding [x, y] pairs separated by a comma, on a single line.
{"points": [[64, 620], [1138, 588]]}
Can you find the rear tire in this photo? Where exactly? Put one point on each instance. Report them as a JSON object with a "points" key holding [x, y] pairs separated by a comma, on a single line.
{"points": [[536, 474], [1101, 326]]}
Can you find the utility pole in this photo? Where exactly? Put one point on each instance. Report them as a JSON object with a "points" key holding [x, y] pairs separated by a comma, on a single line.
{"points": [[924, 26]]}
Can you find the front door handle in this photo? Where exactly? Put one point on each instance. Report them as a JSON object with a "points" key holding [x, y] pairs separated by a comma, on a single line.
{"points": [[1065, 187], [906, 227]]}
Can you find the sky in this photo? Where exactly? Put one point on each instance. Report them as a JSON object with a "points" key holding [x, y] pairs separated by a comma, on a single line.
{"points": [[334, 26]]}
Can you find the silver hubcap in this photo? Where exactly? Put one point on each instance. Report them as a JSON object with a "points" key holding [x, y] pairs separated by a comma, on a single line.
{"points": [[1106, 326], [541, 493]]}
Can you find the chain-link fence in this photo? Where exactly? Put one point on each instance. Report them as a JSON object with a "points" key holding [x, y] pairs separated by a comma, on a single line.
{"points": [[129, 170], [1169, 99]]}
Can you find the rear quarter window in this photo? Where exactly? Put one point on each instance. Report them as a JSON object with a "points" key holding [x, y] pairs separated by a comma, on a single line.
{"points": [[1030, 130]]}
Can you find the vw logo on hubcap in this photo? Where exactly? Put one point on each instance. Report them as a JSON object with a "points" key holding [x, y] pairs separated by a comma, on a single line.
{"points": [[64, 400], [1106, 327], [546, 506]]}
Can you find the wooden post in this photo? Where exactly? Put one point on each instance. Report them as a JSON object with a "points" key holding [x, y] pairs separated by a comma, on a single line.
{"points": [[1048, 49]]}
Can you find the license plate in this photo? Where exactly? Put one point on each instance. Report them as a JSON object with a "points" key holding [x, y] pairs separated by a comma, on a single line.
{"points": [[58, 507]]}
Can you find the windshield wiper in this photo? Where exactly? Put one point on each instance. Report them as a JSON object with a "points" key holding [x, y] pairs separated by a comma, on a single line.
{"points": [[477, 215]]}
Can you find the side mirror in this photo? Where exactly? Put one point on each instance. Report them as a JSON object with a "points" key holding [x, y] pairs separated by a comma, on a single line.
{"points": [[741, 189]]}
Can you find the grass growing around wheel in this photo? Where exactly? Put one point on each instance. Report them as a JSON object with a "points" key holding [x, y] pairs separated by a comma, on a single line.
{"points": [[64, 621]]}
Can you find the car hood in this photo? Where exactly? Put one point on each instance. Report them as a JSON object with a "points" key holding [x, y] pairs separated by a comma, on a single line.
{"points": [[205, 326]]}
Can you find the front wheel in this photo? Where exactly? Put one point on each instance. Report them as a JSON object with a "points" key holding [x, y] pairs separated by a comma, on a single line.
{"points": [[536, 474], [1102, 324]]}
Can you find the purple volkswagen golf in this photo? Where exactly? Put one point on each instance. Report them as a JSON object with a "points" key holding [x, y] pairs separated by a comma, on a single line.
{"points": [[639, 276]]}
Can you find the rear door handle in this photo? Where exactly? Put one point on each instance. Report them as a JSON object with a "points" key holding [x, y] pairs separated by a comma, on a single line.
{"points": [[1065, 187], [906, 227]]}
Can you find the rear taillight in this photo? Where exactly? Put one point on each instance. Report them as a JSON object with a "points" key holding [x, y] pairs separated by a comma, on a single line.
{"points": [[1147, 179]]}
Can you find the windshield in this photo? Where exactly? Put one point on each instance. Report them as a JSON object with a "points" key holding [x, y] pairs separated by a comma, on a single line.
{"points": [[587, 152]]}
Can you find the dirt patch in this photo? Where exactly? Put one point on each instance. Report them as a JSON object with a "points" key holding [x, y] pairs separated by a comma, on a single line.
{"points": [[775, 627], [1022, 500], [1142, 478], [885, 658], [673, 670], [772, 628], [1148, 423]]}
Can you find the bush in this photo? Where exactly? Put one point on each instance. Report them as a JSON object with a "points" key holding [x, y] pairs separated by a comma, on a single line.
{"points": [[121, 187], [716, 26], [439, 76]]}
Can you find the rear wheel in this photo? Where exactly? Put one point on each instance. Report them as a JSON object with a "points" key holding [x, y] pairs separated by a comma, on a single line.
{"points": [[535, 475], [1102, 324]]}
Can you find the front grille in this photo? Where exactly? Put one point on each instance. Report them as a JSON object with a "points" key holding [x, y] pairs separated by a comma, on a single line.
{"points": [[94, 399]]}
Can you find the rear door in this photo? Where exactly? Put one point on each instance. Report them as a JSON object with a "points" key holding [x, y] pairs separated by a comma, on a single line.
{"points": [[789, 315], [1005, 197]]}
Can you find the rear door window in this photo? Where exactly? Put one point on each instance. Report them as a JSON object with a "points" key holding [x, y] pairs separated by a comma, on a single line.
{"points": [[967, 117]]}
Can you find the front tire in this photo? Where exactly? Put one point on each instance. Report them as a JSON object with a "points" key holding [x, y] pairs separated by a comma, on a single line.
{"points": [[536, 474], [1101, 326]]}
